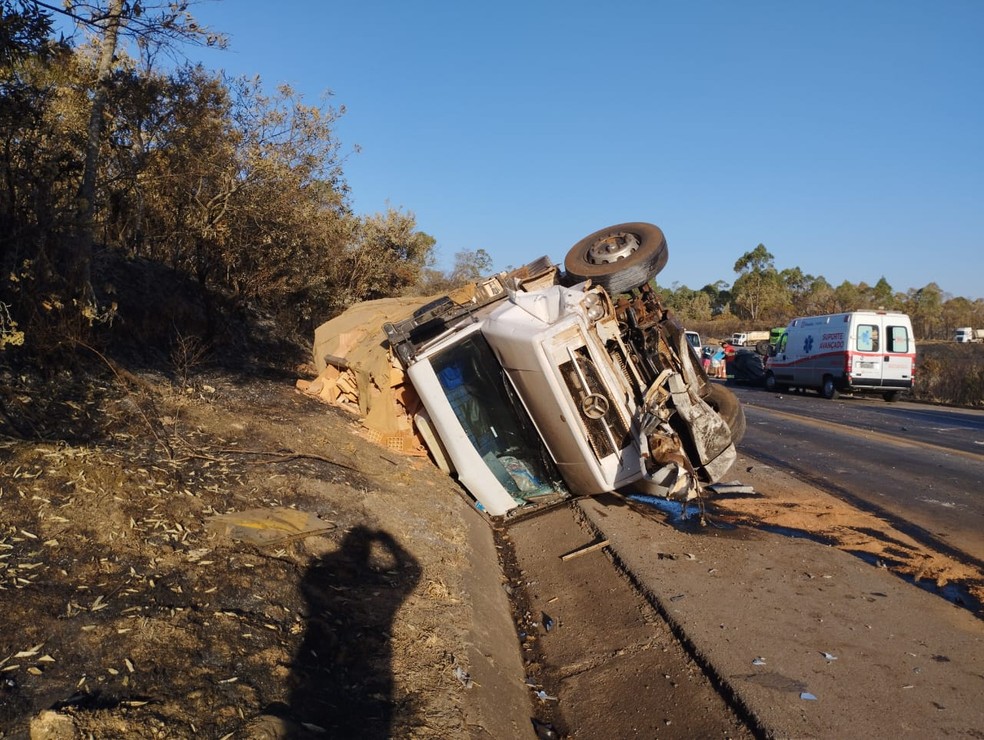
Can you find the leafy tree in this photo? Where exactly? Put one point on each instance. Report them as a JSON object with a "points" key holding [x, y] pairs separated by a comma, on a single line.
{"points": [[925, 308], [148, 24], [882, 295], [689, 305], [847, 296], [25, 31], [958, 312], [819, 299], [470, 265], [385, 257], [757, 260], [37, 160], [759, 293], [719, 296]]}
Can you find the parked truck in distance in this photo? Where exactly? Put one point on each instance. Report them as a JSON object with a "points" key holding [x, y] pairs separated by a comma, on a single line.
{"points": [[966, 334], [749, 338]]}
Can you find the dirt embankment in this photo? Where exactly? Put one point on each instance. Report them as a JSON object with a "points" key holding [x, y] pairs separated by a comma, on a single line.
{"points": [[126, 610]]}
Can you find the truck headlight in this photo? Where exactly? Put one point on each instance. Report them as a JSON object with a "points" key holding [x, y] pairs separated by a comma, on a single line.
{"points": [[594, 307]]}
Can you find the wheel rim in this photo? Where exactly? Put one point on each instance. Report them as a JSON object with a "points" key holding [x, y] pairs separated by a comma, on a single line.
{"points": [[612, 248]]}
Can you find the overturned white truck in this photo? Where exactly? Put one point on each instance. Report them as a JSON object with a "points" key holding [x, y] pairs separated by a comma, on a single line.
{"points": [[552, 383]]}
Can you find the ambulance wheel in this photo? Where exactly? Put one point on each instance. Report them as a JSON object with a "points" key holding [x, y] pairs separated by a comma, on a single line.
{"points": [[828, 390], [618, 258], [726, 404], [771, 385], [891, 396]]}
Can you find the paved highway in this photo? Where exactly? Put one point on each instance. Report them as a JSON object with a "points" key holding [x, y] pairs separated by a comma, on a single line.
{"points": [[920, 466]]}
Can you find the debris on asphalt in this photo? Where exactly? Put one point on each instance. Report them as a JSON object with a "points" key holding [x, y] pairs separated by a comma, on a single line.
{"points": [[584, 550], [732, 488]]}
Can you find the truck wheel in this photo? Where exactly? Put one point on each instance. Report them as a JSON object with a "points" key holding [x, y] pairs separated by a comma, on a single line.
{"points": [[828, 390], [726, 404], [619, 258]]}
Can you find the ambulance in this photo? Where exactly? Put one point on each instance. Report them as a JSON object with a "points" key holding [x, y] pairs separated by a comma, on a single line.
{"points": [[871, 352]]}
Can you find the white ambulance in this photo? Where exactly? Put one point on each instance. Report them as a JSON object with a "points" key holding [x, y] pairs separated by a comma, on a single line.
{"points": [[856, 352]]}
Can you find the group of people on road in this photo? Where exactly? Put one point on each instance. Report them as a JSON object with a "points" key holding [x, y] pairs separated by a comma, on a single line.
{"points": [[715, 360]]}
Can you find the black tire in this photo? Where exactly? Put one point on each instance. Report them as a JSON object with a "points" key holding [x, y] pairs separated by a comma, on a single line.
{"points": [[770, 382], [828, 390], [618, 258], [763, 347], [728, 407], [892, 396], [748, 367]]}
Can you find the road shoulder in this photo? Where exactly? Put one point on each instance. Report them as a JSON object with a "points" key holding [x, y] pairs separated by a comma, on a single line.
{"points": [[809, 640]]}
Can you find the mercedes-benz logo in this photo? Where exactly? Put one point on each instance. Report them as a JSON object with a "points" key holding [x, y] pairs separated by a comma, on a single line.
{"points": [[594, 406]]}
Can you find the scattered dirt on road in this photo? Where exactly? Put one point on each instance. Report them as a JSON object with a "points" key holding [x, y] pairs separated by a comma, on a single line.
{"points": [[783, 503]]}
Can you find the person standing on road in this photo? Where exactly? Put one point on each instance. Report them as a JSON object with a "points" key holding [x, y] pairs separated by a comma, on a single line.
{"points": [[717, 363]]}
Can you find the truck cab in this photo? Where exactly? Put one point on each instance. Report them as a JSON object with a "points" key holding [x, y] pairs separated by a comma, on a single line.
{"points": [[967, 334], [569, 383]]}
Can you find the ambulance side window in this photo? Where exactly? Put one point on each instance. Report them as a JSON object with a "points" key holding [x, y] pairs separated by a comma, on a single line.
{"points": [[898, 339], [867, 338]]}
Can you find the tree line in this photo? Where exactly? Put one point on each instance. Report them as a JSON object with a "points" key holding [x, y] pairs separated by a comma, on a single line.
{"points": [[764, 296], [238, 190], [108, 154]]}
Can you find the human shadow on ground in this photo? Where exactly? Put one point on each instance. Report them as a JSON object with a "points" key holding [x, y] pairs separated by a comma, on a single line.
{"points": [[341, 677]]}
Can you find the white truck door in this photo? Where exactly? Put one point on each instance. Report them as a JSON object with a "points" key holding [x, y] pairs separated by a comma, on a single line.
{"points": [[899, 354], [868, 358]]}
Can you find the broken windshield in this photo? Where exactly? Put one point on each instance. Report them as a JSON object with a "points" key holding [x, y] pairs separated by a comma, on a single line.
{"points": [[497, 425]]}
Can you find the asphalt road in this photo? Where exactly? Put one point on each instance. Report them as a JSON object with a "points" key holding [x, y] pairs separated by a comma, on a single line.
{"points": [[919, 466]]}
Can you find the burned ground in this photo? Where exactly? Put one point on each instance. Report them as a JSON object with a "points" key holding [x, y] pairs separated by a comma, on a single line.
{"points": [[125, 612]]}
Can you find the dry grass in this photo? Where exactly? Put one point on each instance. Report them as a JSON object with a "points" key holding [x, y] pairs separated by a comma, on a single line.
{"points": [[124, 612]]}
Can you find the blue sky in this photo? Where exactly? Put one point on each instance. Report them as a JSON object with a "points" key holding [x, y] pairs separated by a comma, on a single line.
{"points": [[846, 136]]}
